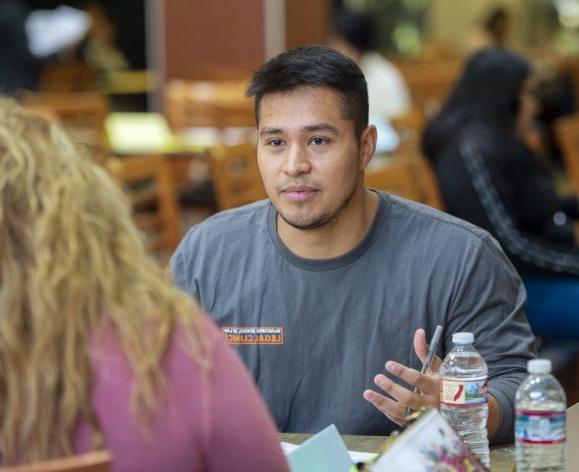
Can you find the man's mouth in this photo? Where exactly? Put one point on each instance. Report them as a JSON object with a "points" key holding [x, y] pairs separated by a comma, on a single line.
{"points": [[299, 193]]}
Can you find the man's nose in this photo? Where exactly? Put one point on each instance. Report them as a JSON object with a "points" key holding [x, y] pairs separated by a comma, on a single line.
{"points": [[297, 161]]}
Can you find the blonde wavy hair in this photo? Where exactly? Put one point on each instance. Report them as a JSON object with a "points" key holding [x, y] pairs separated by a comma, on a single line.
{"points": [[71, 261]]}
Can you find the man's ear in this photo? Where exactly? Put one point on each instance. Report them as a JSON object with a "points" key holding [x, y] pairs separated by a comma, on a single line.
{"points": [[368, 146]]}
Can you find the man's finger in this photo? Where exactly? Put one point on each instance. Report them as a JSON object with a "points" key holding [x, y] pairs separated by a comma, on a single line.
{"points": [[404, 396], [392, 409], [427, 384], [421, 349], [420, 344]]}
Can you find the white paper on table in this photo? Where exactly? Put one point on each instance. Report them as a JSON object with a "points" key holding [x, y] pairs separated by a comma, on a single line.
{"points": [[356, 456], [288, 447], [362, 456], [137, 133]]}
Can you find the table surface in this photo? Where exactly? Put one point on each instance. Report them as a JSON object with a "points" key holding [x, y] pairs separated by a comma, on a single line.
{"points": [[502, 457]]}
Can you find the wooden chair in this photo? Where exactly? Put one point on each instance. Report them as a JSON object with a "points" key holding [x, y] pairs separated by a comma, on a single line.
{"points": [[395, 176], [410, 127], [82, 114], [406, 177], [236, 177], [150, 187], [428, 184], [98, 461], [567, 132], [430, 82], [208, 104], [68, 76]]}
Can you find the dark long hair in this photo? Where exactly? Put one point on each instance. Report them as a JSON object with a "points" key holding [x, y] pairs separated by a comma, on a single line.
{"points": [[486, 94]]}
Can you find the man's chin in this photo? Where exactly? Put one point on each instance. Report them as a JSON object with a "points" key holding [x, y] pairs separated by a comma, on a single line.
{"points": [[305, 222]]}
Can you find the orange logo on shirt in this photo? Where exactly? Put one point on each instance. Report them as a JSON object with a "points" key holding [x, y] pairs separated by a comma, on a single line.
{"points": [[253, 335]]}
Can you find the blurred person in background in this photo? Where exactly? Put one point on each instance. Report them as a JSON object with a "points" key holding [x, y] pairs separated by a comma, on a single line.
{"points": [[493, 32], [97, 349], [490, 177], [388, 96], [19, 69]]}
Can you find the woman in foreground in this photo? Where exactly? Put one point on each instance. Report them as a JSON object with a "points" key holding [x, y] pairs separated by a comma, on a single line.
{"points": [[97, 350]]}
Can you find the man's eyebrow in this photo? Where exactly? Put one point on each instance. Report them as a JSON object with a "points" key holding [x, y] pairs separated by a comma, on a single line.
{"points": [[322, 127], [269, 131], [309, 128]]}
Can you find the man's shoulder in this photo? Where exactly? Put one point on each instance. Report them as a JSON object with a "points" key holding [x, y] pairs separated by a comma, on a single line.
{"points": [[439, 241], [425, 222]]}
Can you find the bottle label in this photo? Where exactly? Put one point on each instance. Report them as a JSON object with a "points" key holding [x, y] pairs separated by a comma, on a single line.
{"points": [[540, 427], [468, 392]]}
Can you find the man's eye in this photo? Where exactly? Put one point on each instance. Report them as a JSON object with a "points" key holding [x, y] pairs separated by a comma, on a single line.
{"points": [[318, 141], [275, 142]]}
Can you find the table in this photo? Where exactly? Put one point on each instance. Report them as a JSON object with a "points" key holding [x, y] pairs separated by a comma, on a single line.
{"points": [[502, 457]]}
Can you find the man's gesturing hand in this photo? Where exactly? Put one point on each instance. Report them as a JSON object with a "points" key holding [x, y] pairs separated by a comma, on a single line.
{"points": [[398, 398]]}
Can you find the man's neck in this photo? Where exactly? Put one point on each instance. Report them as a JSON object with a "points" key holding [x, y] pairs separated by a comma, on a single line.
{"points": [[337, 237]]}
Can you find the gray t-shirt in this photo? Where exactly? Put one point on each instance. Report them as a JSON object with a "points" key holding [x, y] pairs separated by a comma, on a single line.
{"points": [[314, 333]]}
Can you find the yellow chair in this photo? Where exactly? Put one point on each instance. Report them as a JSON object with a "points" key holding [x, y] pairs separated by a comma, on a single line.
{"points": [[567, 131], [149, 184], [406, 177], [82, 115], [236, 177], [208, 104]]}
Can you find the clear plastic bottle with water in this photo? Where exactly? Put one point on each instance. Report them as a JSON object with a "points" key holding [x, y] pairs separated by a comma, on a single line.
{"points": [[540, 430], [463, 394]]}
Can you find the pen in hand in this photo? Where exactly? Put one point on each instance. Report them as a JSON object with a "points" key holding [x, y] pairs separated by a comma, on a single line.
{"points": [[432, 347]]}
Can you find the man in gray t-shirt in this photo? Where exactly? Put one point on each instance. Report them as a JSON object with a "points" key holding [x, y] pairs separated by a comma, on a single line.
{"points": [[322, 284]]}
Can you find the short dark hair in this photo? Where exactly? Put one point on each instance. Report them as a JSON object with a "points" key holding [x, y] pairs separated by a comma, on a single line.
{"points": [[314, 66]]}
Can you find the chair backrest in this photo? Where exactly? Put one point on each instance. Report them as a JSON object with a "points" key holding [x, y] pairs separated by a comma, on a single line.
{"points": [[430, 192], [395, 176], [208, 104], [407, 177], [98, 461], [236, 177], [567, 131], [82, 114], [150, 187], [430, 82], [68, 76], [410, 127]]}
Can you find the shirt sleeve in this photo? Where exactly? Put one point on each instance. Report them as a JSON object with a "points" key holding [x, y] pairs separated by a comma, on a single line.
{"points": [[182, 265], [178, 269], [489, 302], [242, 435]]}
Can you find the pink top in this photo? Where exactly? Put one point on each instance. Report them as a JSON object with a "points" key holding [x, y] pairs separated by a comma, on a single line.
{"points": [[219, 424]]}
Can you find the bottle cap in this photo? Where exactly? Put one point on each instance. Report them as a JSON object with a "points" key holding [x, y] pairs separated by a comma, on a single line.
{"points": [[462, 338], [539, 366]]}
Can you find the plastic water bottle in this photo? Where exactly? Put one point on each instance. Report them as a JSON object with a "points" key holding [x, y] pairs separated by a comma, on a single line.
{"points": [[540, 420], [463, 394]]}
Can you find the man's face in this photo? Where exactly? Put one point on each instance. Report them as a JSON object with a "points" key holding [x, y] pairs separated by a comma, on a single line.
{"points": [[310, 159]]}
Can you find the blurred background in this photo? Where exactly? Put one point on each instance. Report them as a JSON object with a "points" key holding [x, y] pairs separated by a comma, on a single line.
{"points": [[154, 90]]}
